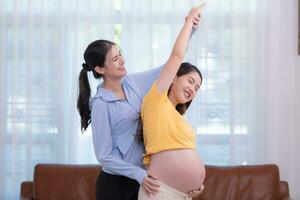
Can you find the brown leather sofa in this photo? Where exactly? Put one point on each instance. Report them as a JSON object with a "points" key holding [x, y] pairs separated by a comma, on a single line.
{"points": [[77, 182]]}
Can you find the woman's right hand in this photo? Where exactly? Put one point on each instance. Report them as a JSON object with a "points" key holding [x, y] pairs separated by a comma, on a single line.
{"points": [[150, 185]]}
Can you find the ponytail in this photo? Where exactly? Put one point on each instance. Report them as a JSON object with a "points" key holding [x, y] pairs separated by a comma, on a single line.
{"points": [[84, 99], [94, 55]]}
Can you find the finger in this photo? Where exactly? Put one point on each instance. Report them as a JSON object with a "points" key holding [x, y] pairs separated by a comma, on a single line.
{"points": [[196, 19], [153, 183], [195, 26], [201, 6], [196, 192], [152, 189], [195, 22], [148, 195], [202, 188], [152, 175], [146, 191], [151, 193]]}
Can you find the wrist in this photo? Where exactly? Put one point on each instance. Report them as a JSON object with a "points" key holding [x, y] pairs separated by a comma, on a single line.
{"points": [[189, 19], [141, 174]]}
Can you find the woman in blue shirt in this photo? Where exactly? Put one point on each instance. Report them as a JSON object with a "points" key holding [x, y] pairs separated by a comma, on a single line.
{"points": [[114, 113]]}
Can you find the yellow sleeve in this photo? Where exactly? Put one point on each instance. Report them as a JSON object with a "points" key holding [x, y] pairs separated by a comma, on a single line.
{"points": [[153, 97]]}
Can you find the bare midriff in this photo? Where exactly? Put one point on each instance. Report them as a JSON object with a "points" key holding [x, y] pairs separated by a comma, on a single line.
{"points": [[181, 169]]}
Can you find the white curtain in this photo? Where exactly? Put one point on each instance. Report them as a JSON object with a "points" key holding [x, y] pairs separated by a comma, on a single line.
{"points": [[247, 111], [276, 95]]}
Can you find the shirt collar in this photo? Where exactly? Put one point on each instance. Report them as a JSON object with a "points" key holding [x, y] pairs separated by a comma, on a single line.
{"points": [[107, 95]]}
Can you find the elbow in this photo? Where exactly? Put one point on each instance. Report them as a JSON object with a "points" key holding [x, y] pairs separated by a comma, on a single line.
{"points": [[103, 162], [177, 55], [102, 159]]}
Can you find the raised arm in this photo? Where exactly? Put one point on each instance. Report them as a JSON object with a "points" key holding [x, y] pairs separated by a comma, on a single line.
{"points": [[178, 52], [145, 79]]}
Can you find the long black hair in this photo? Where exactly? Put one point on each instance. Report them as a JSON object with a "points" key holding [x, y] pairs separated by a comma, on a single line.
{"points": [[185, 68], [94, 55]]}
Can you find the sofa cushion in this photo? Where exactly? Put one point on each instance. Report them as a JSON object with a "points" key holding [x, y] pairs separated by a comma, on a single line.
{"points": [[241, 183], [58, 181]]}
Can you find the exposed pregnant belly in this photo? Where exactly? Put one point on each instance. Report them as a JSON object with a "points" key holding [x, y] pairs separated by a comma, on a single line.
{"points": [[181, 169]]}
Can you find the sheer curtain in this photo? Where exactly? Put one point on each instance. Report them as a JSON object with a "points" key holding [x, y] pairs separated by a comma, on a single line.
{"points": [[276, 94], [247, 111]]}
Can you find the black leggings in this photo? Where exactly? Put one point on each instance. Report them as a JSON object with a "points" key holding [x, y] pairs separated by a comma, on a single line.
{"points": [[114, 187]]}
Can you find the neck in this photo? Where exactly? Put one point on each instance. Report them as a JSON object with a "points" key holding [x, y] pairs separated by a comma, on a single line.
{"points": [[113, 85], [172, 99]]}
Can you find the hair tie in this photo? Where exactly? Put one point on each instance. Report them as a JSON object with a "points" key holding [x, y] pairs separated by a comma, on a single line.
{"points": [[86, 67]]}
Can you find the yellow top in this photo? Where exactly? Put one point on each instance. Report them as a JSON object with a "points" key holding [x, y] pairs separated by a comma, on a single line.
{"points": [[164, 128]]}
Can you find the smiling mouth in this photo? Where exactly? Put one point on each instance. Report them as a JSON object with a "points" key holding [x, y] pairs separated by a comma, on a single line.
{"points": [[187, 94]]}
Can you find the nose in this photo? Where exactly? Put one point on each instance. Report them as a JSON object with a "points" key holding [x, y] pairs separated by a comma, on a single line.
{"points": [[121, 60], [191, 91]]}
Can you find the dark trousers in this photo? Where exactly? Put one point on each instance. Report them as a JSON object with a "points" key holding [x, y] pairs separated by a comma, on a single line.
{"points": [[114, 187]]}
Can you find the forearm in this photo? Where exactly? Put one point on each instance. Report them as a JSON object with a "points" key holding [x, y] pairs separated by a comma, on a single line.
{"points": [[176, 57], [182, 41], [114, 165]]}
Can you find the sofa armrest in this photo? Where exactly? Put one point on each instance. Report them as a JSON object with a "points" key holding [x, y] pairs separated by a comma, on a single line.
{"points": [[284, 191], [26, 190]]}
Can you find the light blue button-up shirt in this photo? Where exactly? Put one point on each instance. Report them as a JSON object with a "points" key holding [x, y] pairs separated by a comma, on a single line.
{"points": [[115, 123]]}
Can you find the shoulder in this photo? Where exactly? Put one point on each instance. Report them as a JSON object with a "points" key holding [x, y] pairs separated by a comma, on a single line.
{"points": [[131, 84], [129, 80], [98, 102], [154, 95], [98, 105]]}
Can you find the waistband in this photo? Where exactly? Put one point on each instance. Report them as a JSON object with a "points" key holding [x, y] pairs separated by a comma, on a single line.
{"points": [[172, 191]]}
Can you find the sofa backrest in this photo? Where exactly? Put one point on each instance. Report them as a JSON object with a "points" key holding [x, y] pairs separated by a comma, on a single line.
{"points": [[241, 182], [57, 181], [77, 182]]}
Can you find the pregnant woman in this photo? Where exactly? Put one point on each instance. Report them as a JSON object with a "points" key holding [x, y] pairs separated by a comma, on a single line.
{"points": [[169, 140]]}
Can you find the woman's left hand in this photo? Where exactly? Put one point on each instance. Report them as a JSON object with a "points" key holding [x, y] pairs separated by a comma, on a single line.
{"points": [[195, 193], [195, 15]]}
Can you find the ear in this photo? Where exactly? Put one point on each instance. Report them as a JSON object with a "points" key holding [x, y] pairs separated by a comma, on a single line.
{"points": [[100, 70]]}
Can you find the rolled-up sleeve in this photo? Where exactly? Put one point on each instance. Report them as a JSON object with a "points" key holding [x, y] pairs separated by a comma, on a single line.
{"points": [[103, 144]]}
